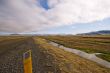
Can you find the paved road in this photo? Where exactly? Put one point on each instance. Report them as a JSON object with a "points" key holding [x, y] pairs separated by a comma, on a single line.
{"points": [[11, 61]]}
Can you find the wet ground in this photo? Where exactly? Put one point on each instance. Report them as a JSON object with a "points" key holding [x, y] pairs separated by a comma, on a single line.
{"points": [[91, 57]]}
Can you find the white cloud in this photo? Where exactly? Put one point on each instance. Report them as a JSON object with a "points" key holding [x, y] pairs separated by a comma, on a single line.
{"points": [[28, 15]]}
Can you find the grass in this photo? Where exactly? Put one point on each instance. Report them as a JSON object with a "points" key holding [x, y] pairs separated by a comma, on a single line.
{"points": [[89, 44], [66, 62], [105, 56], [8, 43], [47, 58]]}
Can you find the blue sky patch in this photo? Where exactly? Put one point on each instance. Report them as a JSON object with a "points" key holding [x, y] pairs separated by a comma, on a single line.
{"points": [[44, 4]]}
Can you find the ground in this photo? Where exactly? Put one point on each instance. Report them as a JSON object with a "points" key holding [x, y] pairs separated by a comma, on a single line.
{"points": [[45, 57], [89, 44]]}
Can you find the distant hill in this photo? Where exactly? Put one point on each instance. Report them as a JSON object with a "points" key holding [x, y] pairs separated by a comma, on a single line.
{"points": [[102, 32]]}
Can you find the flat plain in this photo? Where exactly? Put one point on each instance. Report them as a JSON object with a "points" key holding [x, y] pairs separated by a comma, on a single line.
{"points": [[45, 57], [89, 44]]}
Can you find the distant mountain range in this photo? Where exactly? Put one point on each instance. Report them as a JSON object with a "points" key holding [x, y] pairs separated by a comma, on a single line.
{"points": [[102, 32]]}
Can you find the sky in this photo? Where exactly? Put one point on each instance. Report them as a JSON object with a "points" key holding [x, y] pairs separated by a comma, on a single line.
{"points": [[54, 16], [79, 28]]}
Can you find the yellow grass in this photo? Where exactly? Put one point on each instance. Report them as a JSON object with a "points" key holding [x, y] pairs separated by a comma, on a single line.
{"points": [[89, 44], [65, 62]]}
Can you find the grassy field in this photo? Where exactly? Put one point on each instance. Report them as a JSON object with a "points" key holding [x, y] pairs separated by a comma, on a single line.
{"points": [[89, 44], [10, 42], [45, 57], [65, 62]]}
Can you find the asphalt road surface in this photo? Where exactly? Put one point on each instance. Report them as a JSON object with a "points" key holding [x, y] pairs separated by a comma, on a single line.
{"points": [[11, 61]]}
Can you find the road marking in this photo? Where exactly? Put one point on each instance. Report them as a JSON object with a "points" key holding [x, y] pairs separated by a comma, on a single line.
{"points": [[27, 60]]}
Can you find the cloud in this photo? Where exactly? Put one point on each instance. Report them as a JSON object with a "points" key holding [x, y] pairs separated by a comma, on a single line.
{"points": [[29, 15]]}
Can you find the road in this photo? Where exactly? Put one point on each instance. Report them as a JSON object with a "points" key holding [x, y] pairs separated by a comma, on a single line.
{"points": [[11, 61]]}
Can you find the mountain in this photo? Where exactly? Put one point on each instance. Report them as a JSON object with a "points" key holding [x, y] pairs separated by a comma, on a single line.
{"points": [[102, 32]]}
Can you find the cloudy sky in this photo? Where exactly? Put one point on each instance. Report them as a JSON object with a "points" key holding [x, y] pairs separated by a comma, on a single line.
{"points": [[54, 16]]}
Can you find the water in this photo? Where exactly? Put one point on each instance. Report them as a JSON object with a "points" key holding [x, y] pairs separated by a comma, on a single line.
{"points": [[83, 54]]}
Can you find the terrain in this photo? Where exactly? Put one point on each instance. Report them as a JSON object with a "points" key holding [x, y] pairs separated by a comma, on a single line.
{"points": [[89, 44], [45, 57], [101, 32]]}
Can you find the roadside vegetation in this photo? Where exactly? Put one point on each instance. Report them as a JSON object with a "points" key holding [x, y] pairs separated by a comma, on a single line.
{"points": [[59, 61], [9, 42], [89, 44], [45, 57]]}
